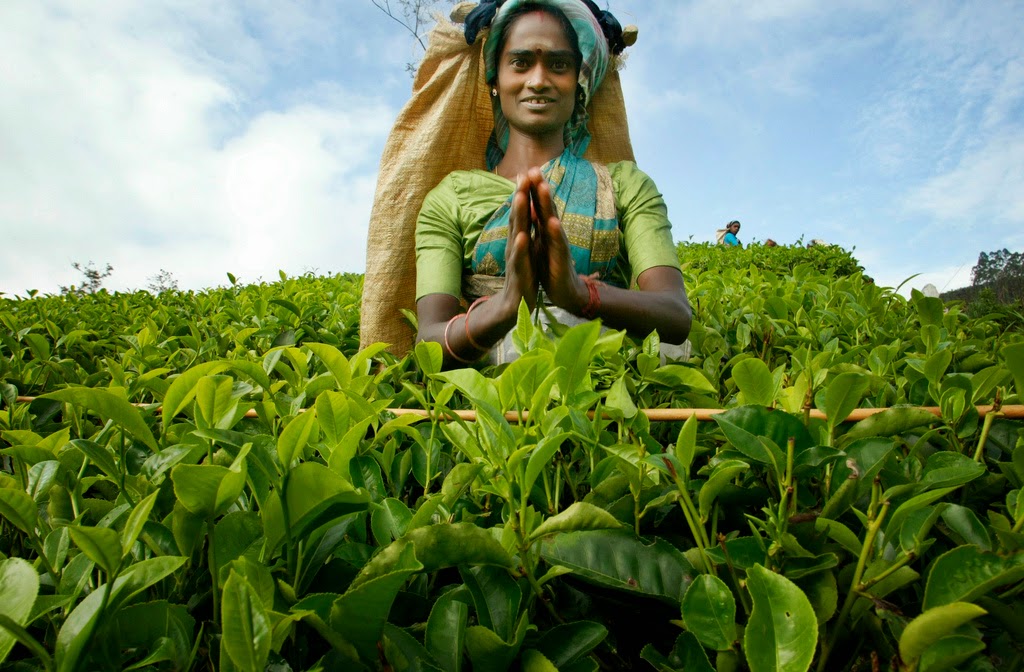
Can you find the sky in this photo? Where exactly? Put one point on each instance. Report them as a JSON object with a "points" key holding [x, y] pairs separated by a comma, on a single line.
{"points": [[206, 138]]}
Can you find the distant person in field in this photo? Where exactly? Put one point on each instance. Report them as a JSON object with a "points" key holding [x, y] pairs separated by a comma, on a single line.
{"points": [[727, 236]]}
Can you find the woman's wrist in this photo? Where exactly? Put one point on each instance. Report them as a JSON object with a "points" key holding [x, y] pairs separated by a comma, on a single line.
{"points": [[590, 299], [506, 306]]}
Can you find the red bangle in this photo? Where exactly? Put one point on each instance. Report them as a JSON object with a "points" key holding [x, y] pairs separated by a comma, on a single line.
{"points": [[594, 304], [469, 336], [448, 346]]}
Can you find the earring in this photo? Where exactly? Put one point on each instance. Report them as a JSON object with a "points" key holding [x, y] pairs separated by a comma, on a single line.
{"points": [[494, 93], [581, 96]]}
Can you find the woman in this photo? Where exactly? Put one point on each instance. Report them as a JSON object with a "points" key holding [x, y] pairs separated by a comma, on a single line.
{"points": [[730, 238], [544, 221]]}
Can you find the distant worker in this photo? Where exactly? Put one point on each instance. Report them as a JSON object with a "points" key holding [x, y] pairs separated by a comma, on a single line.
{"points": [[727, 236]]}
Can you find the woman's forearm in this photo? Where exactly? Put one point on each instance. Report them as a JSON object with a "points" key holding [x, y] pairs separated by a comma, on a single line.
{"points": [[465, 337], [641, 312]]}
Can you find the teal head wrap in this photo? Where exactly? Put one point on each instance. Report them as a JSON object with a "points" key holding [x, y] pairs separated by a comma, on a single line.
{"points": [[593, 48]]}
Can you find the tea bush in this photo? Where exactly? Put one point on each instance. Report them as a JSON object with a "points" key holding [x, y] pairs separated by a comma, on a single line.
{"points": [[221, 480]]}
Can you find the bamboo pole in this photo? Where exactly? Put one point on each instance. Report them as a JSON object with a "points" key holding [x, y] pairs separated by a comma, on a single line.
{"points": [[1013, 411]]}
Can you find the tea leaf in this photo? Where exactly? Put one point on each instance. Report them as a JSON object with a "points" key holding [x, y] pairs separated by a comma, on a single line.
{"points": [[677, 376], [474, 385], [208, 489], [360, 613], [723, 474], [315, 496], [183, 389], [619, 401], [949, 652], [445, 636], [966, 573], [77, 629], [541, 458], [19, 508], [744, 553], [966, 525], [686, 445], [933, 625], [578, 517], [165, 630], [535, 661], [619, 560], [109, 407], [19, 585], [566, 643], [782, 633], [496, 599], [573, 356], [709, 611], [295, 436], [136, 521], [843, 395], [389, 520], [404, 651], [488, 651], [214, 401], [101, 544], [244, 624], [333, 415], [439, 546], [336, 362], [755, 382], [890, 422]]}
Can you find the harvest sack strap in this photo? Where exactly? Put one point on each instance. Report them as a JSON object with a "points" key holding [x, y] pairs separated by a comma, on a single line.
{"points": [[585, 201], [445, 127]]}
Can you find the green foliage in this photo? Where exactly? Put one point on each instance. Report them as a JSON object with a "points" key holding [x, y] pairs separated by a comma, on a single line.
{"points": [[213, 480], [830, 260]]}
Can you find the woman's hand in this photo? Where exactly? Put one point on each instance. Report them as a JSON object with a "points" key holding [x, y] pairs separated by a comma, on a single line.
{"points": [[553, 259], [521, 279]]}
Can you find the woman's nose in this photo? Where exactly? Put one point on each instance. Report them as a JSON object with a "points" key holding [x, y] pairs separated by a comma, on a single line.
{"points": [[538, 78]]}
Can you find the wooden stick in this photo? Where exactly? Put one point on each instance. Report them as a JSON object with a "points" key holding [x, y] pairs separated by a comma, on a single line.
{"points": [[1013, 411], [706, 414]]}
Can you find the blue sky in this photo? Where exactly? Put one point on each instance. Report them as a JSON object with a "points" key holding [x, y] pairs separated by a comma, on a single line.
{"points": [[206, 138]]}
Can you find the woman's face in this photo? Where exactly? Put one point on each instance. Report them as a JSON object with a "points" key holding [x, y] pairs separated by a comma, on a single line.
{"points": [[537, 76], [735, 228]]}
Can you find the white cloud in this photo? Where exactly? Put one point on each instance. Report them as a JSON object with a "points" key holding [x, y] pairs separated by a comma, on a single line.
{"points": [[986, 188], [124, 142]]}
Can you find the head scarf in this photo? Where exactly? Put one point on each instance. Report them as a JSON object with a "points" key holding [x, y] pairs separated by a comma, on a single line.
{"points": [[593, 47]]}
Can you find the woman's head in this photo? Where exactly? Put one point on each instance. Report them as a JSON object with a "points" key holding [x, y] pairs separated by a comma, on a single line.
{"points": [[580, 32], [537, 70], [734, 227]]}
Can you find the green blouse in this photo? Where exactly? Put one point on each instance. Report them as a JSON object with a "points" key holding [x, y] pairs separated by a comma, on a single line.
{"points": [[456, 210]]}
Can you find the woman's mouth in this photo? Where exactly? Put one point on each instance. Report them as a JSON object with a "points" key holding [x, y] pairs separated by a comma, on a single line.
{"points": [[538, 102]]}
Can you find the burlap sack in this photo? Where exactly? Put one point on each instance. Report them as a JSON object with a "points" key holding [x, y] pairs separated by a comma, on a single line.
{"points": [[444, 127]]}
